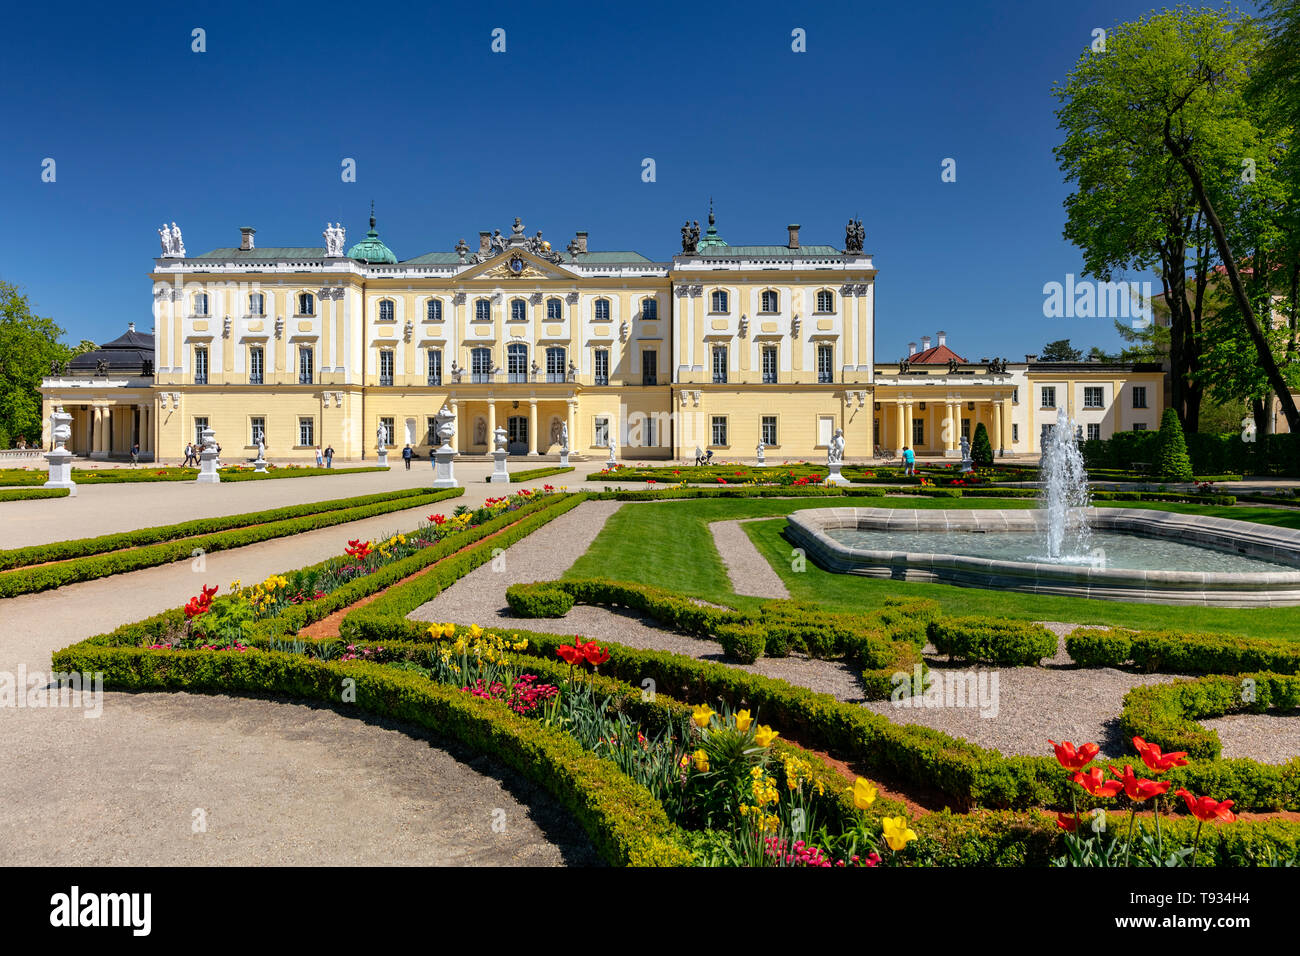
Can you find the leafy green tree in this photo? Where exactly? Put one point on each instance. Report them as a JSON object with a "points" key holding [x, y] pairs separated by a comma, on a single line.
{"points": [[1059, 351], [981, 449], [1172, 463], [29, 344]]}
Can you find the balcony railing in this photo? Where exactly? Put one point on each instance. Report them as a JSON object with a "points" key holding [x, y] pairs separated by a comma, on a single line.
{"points": [[255, 378], [200, 378], [435, 379], [304, 378], [555, 376], [480, 378], [602, 379], [516, 377]]}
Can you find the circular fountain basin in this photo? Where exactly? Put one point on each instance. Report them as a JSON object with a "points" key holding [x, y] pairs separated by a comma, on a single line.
{"points": [[944, 546]]}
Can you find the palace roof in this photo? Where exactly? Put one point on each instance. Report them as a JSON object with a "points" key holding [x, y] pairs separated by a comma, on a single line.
{"points": [[132, 352]]}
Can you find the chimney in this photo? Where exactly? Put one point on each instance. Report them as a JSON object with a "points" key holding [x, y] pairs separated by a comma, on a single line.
{"points": [[943, 337], [581, 238], [925, 343], [246, 238], [794, 236], [1031, 358], [130, 326], [911, 348], [484, 242]]}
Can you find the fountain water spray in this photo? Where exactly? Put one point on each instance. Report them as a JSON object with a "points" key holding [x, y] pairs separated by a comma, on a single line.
{"points": [[1064, 496]]}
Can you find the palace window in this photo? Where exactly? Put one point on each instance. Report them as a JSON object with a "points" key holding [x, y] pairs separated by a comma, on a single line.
{"points": [[386, 313], [602, 366], [306, 304], [386, 424], [435, 366], [1092, 396], [769, 364], [1094, 431], [256, 366], [1015, 396], [719, 430], [650, 367], [719, 365], [482, 310], [257, 430], [480, 365], [385, 366], [430, 430], [555, 370], [602, 310], [650, 309], [602, 432], [256, 304], [433, 310], [1049, 396], [719, 299], [516, 362], [965, 428], [200, 365], [518, 310], [1139, 398], [306, 432], [200, 303], [200, 423], [825, 301], [554, 309], [825, 364], [1015, 433], [769, 430], [771, 302], [306, 369], [918, 432]]}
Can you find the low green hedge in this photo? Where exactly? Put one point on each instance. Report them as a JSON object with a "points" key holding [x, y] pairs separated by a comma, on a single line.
{"points": [[627, 826], [535, 601], [1179, 652], [736, 491], [81, 547], [1166, 714], [534, 473], [46, 576], [145, 472], [26, 494], [991, 640]]}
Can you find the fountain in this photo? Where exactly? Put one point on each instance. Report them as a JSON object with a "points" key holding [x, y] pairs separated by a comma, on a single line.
{"points": [[1064, 497]]}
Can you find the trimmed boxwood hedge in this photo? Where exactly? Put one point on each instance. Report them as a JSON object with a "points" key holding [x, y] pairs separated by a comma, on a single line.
{"points": [[46, 576], [145, 472], [734, 491], [1179, 652], [535, 473], [26, 494], [991, 640]]}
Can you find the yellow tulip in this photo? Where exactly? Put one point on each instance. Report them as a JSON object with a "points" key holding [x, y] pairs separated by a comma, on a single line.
{"points": [[701, 761], [703, 714], [743, 720], [765, 735], [896, 832], [864, 794], [475, 631]]}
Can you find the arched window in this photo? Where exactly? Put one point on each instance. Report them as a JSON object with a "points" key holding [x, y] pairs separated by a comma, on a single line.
{"points": [[554, 310], [256, 304], [200, 303], [516, 362], [482, 310], [306, 304], [385, 310], [825, 301], [602, 310], [518, 310], [433, 310], [650, 309], [719, 301], [771, 301]]}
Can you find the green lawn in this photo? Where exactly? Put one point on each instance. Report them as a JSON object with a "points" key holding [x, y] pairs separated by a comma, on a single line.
{"points": [[668, 545]]}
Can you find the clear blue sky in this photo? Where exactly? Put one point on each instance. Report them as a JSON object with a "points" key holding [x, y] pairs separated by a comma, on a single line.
{"points": [[451, 138]]}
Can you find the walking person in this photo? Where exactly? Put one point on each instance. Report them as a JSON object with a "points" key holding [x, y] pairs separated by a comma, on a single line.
{"points": [[329, 456], [189, 454], [319, 458], [135, 454], [406, 456], [909, 460]]}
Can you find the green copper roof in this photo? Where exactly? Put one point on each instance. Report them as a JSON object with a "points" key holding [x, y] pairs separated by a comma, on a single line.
{"points": [[433, 259], [372, 248], [271, 252], [769, 252], [711, 238], [601, 257]]}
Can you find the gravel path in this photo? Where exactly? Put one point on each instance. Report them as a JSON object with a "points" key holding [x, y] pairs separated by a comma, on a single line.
{"points": [[748, 570], [1021, 710]]}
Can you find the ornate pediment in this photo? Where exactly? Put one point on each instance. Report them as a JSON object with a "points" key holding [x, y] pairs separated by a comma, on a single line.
{"points": [[518, 264]]}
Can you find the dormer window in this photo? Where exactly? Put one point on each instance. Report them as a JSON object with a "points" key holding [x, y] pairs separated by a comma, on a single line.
{"points": [[720, 301], [771, 301], [200, 303], [482, 310], [256, 304], [386, 310], [306, 304], [825, 301], [602, 310]]}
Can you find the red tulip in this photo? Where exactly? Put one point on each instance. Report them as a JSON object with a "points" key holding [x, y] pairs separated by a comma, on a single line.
{"points": [[194, 608], [595, 656], [1095, 782], [1156, 761], [1067, 821], [1206, 809], [1072, 759], [1139, 789], [570, 655], [208, 592]]}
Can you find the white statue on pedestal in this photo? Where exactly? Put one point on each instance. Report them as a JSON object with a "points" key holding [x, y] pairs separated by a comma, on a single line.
{"points": [[564, 437], [759, 452], [207, 458], [835, 453], [334, 240], [178, 244], [60, 459], [443, 456]]}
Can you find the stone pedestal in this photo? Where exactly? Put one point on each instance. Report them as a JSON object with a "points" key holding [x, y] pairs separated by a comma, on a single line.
{"points": [[444, 468], [499, 473], [833, 476], [761, 459], [383, 458], [60, 460], [208, 467], [611, 464], [564, 458], [259, 464]]}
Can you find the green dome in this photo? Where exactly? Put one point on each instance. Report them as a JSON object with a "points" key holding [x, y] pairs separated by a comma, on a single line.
{"points": [[372, 248], [711, 238]]}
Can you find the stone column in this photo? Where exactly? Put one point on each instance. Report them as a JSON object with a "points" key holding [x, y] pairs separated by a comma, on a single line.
{"points": [[907, 427], [532, 426], [997, 427], [899, 440], [492, 419], [97, 432], [571, 417], [1008, 446], [953, 429]]}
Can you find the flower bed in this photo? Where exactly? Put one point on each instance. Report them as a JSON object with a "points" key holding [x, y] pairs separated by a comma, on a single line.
{"points": [[241, 472]]}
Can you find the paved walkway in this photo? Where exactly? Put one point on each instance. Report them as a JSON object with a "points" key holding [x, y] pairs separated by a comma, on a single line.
{"points": [[748, 570]]}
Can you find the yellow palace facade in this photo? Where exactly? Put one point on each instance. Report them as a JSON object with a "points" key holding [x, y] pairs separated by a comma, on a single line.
{"points": [[719, 349]]}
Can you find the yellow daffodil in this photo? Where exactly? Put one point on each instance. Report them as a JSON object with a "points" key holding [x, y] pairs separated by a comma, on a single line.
{"points": [[703, 714], [896, 832], [475, 631], [864, 794], [743, 720], [701, 761], [765, 735], [234, 586]]}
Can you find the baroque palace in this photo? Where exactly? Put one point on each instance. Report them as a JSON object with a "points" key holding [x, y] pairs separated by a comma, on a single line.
{"points": [[721, 348]]}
